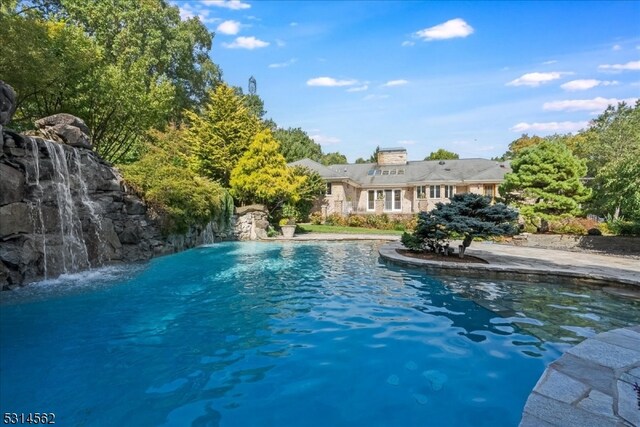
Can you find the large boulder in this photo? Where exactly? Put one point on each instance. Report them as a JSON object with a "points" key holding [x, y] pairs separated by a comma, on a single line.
{"points": [[66, 129], [7, 103]]}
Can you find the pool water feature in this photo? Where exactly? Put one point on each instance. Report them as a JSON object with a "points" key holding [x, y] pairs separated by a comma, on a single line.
{"points": [[286, 334]]}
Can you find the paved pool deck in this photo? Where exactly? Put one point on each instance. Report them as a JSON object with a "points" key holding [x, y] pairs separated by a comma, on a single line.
{"points": [[620, 274]]}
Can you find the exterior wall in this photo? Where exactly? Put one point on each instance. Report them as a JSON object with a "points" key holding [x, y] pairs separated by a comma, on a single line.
{"points": [[392, 158], [345, 199]]}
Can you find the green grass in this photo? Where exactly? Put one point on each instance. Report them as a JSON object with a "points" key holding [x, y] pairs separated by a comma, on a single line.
{"points": [[313, 228]]}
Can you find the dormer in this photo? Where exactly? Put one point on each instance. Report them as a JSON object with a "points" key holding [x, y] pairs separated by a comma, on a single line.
{"points": [[392, 156]]}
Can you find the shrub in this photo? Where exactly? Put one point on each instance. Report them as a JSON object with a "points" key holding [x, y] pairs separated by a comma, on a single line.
{"points": [[335, 219], [573, 225], [316, 218], [623, 227], [356, 221]]}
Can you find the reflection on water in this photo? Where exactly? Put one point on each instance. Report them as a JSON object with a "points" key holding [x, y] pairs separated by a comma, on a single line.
{"points": [[314, 334]]}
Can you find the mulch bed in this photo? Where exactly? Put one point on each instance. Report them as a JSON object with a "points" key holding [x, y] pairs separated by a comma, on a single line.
{"points": [[430, 256]]}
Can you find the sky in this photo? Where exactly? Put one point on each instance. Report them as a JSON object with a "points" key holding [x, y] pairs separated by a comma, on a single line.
{"points": [[469, 77]]}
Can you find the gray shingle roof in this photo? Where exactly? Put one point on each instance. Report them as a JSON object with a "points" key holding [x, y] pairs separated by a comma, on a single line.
{"points": [[415, 172]]}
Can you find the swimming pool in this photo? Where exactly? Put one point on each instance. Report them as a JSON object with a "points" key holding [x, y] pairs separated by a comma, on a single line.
{"points": [[286, 334]]}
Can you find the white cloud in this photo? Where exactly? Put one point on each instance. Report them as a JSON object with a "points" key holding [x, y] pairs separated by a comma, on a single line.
{"points": [[536, 79], [632, 65], [229, 27], [406, 142], [283, 64], [293, 24], [595, 105], [227, 4], [246, 43], [553, 61], [188, 12], [584, 84], [280, 43], [391, 83], [330, 82], [616, 47], [447, 30], [324, 139], [550, 127], [407, 43], [358, 88]]}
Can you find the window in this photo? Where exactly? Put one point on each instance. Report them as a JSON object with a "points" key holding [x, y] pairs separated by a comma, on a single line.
{"points": [[385, 172], [400, 171], [434, 191], [371, 172], [377, 172], [392, 199], [448, 191], [328, 188], [393, 171], [421, 191], [488, 190]]}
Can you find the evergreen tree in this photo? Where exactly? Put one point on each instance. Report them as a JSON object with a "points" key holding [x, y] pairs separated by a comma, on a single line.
{"points": [[220, 135], [545, 182], [262, 176]]}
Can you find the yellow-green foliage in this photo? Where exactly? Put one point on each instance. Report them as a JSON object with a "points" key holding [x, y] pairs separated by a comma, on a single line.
{"points": [[163, 179], [262, 175], [220, 135]]}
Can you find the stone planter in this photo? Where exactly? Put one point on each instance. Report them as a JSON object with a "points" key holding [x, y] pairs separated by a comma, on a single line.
{"points": [[288, 231]]}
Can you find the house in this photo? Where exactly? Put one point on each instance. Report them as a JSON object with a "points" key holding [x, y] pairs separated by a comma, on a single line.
{"points": [[394, 185]]}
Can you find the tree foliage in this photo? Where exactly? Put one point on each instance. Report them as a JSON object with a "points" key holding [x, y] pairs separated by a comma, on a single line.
{"points": [[220, 135], [546, 182], [163, 179], [467, 215], [442, 154], [310, 186], [295, 144], [262, 176], [334, 158], [611, 148], [122, 67]]}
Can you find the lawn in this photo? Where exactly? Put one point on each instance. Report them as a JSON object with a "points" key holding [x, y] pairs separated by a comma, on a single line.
{"points": [[313, 228]]}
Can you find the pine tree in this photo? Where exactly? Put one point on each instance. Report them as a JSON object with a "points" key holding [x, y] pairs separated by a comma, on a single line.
{"points": [[546, 182]]}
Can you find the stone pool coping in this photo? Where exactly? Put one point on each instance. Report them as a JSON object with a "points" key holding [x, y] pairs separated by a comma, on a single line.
{"points": [[531, 264], [591, 385]]}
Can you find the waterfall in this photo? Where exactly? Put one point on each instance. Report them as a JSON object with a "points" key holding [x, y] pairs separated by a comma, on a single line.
{"points": [[36, 211], [207, 236], [90, 205], [73, 254]]}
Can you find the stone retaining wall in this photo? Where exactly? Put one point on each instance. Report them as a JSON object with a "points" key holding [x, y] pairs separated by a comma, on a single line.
{"points": [[606, 244]]}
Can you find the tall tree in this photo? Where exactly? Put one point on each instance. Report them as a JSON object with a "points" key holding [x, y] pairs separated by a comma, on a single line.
{"points": [[334, 158], [262, 176], [546, 182], [295, 144], [221, 134], [610, 147], [373, 158], [442, 154], [122, 67], [311, 186]]}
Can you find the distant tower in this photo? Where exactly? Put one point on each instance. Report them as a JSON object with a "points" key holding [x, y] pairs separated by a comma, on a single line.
{"points": [[252, 85]]}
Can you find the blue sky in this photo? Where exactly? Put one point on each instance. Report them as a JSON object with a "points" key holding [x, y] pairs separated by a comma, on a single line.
{"points": [[469, 77]]}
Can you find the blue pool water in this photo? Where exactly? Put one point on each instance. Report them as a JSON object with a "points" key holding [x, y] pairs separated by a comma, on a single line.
{"points": [[281, 334]]}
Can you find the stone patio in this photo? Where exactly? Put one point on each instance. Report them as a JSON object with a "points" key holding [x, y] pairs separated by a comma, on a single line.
{"points": [[590, 385]]}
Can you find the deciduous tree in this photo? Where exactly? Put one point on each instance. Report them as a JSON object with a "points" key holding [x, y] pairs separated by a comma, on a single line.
{"points": [[442, 154]]}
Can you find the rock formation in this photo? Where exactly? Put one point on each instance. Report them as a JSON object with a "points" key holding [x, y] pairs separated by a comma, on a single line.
{"points": [[63, 209]]}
